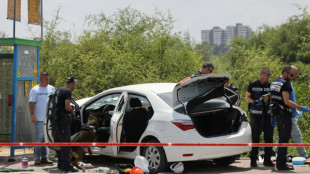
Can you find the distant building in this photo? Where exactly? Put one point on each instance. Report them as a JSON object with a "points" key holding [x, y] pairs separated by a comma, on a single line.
{"points": [[218, 36]]}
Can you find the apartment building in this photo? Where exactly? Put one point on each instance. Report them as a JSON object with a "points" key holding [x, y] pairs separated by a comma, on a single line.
{"points": [[217, 36]]}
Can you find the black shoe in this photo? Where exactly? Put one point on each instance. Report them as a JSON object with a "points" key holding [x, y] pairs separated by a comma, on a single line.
{"points": [[59, 167], [69, 170], [253, 163], [286, 167], [268, 163]]}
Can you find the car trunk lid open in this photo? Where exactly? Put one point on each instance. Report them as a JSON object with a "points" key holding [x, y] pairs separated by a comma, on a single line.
{"points": [[203, 99]]}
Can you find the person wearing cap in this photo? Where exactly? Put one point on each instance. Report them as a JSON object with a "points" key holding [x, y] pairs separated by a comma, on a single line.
{"points": [[207, 68], [62, 128], [37, 105], [260, 115]]}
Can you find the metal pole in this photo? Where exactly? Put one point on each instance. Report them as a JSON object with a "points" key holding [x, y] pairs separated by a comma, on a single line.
{"points": [[14, 19], [41, 20]]}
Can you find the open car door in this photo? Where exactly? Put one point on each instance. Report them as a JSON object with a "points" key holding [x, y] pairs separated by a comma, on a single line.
{"points": [[116, 124]]}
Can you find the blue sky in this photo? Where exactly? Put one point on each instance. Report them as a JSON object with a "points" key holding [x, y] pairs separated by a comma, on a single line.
{"points": [[191, 15]]}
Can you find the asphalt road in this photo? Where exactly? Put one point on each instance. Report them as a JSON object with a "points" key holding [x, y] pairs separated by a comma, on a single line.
{"points": [[103, 163]]}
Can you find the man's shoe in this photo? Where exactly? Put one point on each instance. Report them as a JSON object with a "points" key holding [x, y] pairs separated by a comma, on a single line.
{"points": [[37, 162], [69, 170], [268, 163], [286, 167], [59, 166], [253, 163], [46, 161]]}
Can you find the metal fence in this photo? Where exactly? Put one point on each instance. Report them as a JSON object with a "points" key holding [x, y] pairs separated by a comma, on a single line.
{"points": [[6, 75]]}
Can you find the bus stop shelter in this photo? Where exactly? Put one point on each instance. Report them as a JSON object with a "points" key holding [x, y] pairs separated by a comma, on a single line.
{"points": [[19, 62]]}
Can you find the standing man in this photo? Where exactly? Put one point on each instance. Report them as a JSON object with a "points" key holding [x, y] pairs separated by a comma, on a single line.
{"points": [[281, 109], [37, 104], [207, 68], [260, 115], [61, 126], [296, 133]]}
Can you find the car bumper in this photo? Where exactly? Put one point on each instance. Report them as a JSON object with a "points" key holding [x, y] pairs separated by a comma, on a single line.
{"points": [[190, 153]]}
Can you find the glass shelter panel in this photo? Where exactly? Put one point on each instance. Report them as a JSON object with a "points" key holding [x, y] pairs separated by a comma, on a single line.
{"points": [[27, 61]]}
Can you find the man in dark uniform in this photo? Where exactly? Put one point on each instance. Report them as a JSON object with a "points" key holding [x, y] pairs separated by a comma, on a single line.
{"points": [[260, 115], [62, 130], [280, 91]]}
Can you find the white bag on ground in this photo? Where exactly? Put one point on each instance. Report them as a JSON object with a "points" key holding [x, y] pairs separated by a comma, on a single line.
{"points": [[142, 163]]}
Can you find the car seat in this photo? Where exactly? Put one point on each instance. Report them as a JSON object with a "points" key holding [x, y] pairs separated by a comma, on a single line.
{"points": [[135, 121]]}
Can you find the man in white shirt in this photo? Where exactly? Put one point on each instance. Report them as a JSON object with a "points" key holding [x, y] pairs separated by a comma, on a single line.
{"points": [[37, 104]]}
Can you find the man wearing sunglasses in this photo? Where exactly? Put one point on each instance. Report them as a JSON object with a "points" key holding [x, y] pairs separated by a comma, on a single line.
{"points": [[296, 133], [282, 110], [260, 115]]}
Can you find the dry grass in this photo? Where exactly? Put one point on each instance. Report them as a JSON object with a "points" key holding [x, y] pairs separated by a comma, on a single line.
{"points": [[5, 151]]}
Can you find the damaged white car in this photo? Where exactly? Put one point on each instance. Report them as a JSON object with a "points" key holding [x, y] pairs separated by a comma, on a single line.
{"points": [[195, 110]]}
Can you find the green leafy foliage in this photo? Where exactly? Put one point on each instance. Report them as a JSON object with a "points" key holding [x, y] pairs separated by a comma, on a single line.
{"points": [[272, 47], [126, 48]]}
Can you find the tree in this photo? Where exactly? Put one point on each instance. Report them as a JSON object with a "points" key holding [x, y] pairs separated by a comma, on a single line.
{"points": [[126, 48]]}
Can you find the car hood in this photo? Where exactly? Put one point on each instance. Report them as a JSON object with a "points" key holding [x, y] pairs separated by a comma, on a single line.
{"points": [[193, 91]]}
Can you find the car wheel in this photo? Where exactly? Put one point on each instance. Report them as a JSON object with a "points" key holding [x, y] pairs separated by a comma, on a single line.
{"points": [[156, 157], [225, 161]]}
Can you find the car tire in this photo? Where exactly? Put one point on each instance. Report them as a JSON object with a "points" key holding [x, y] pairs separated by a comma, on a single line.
{"points": [[156, 156], [225, 161]]}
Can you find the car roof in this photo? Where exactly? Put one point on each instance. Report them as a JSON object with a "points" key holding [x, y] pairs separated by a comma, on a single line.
{"points": [[157, 88]]}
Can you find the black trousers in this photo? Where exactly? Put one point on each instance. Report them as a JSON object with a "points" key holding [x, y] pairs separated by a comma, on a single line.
{"points": [[261, 124], [284, 124], [63, 135]]}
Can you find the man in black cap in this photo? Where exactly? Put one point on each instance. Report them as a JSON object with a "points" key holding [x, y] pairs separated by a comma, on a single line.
{"points": [[62, 128]]}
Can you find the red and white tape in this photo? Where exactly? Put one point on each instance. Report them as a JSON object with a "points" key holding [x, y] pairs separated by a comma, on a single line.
{"points": [[156, 144]]}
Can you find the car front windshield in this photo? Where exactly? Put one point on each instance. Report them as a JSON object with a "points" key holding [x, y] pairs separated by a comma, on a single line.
{"points": [[111, 99]]}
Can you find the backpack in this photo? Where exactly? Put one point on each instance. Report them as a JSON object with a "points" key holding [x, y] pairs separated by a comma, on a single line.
{"points": [[52, 106]]}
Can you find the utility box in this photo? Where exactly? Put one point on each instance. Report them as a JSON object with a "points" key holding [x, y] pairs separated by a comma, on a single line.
{"points": [[25, 68]]}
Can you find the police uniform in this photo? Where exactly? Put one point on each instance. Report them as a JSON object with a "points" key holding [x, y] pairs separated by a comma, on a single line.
{"points": [[260, 118], [62, 130], [283, 115]]}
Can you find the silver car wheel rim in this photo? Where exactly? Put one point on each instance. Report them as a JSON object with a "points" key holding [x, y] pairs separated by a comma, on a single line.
{"points": [[152, 155]]}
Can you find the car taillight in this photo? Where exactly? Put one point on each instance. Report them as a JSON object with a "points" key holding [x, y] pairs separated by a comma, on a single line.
{"points": [[184, 124], [245, 118]]}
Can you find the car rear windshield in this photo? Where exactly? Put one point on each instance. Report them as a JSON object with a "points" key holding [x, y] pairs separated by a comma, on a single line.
{"points": [[167, 98]]}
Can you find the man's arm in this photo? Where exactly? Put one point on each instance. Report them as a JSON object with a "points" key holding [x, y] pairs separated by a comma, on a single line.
{"points": [[68, 107], [248, 97], [288, 102], [31, 108]]}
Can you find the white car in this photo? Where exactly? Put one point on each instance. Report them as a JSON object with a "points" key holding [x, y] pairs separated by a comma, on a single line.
{"points": [[195, 110]]}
